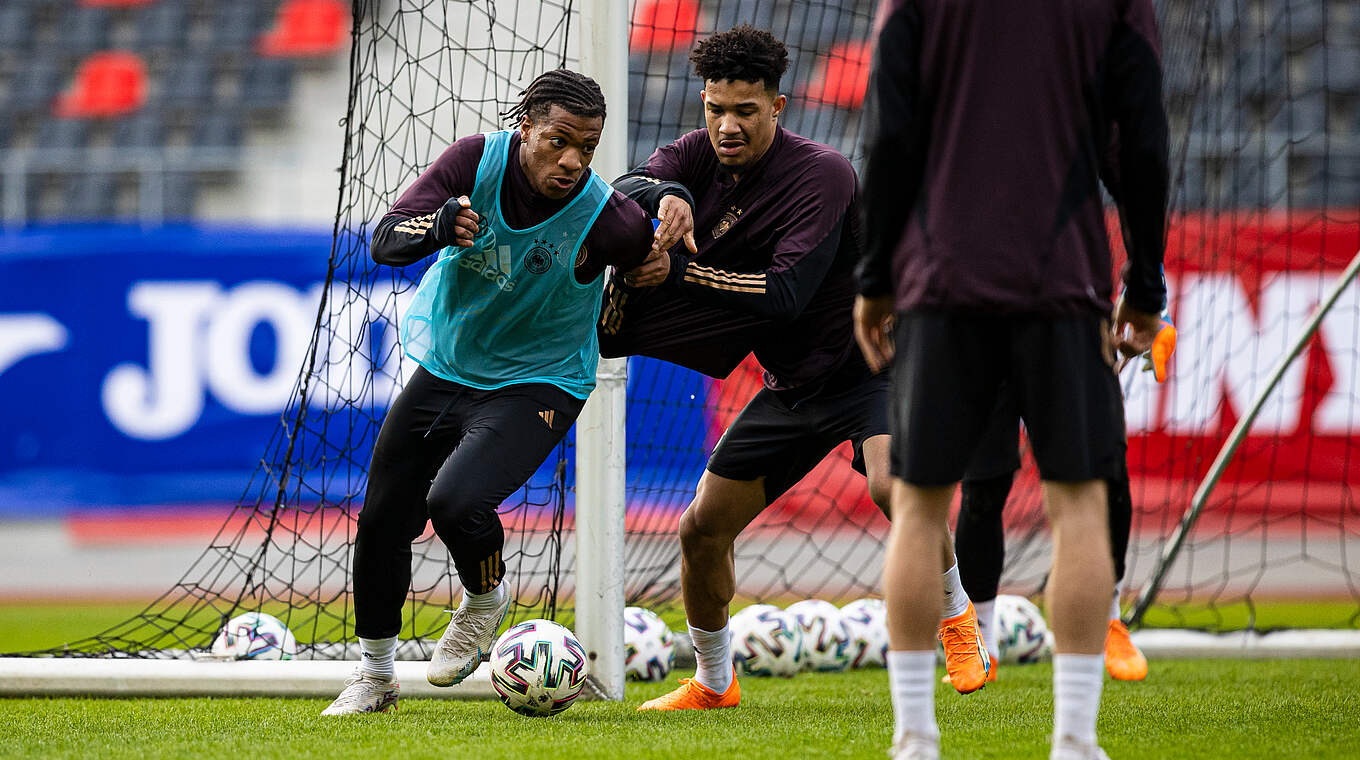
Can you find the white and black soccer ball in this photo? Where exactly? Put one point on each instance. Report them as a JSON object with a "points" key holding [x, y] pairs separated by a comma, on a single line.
{"points": [[1022, 636], [648, 645], [826, 642], [866, 620], [538, 668], [765, 642], [255, 636]]}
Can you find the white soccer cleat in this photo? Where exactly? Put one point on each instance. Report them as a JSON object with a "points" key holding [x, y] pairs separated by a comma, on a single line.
{"points": [[465, 642], [1067, 748], [365, 693], [916, 747]]}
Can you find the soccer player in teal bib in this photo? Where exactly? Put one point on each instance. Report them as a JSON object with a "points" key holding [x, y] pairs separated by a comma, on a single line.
{"points": [[503, 330]]}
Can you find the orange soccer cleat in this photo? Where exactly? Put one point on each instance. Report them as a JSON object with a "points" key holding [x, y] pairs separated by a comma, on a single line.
{"points": [[693, 695], [991, 672], [965, 656], [1123, 661]]}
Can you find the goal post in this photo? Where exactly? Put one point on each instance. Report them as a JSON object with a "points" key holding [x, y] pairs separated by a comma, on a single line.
{"points": [[601, 428]]}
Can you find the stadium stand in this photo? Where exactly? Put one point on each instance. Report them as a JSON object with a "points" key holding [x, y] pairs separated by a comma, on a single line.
{"points": [[158, 76]]}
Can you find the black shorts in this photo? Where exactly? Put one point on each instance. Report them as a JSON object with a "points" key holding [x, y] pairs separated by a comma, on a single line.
{"points": [[949, 376], [782, 440]]}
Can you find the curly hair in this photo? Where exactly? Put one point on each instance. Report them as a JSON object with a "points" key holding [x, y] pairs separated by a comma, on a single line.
{"points": [[576, 93], [742, 53]]}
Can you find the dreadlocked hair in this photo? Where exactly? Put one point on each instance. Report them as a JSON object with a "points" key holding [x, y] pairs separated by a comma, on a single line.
{"points": [[742, 53], [576, 93]]}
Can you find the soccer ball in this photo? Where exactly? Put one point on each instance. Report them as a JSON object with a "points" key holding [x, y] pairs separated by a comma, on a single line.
{"points": [[255, 636], [649, 646], [538, 668], [826, 642], [866, 622], [1022, 636], [765, 642]]}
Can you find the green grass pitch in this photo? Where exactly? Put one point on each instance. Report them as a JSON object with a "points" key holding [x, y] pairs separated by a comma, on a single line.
{"points": [[1239, 709]]}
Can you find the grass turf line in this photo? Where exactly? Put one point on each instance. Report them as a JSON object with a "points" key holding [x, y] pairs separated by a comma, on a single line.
{"points": [[1246, 710]]}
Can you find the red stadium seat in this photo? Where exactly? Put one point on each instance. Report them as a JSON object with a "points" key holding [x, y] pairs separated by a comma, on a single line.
{"points": [[306, 29], [663, 25], [844, 76], [108, 84]]}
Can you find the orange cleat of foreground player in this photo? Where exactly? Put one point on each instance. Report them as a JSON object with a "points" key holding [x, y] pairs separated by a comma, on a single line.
{"points": [[991, 672], [1123, 661], [693, 695], [965, 656]]}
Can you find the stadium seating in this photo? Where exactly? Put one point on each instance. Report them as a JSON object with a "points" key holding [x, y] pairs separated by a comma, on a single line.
{"points": [[106, 84], [306, 28], [157, 75]]}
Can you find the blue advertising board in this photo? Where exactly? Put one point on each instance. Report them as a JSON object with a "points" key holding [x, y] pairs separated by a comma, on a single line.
{"points": [[153, 367]]}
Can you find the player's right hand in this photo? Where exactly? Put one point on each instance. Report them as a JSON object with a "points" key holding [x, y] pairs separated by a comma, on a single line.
{"points": [[1134, 330], [874, 319], [456, 223], [676, 223]]}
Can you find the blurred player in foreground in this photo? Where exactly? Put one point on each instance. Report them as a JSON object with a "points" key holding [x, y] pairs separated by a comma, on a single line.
{"points": [[986, 254], [503, 328], [770, 223]]}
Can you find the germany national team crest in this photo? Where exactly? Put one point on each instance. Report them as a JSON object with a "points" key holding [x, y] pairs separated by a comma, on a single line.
{"points": [[540, 257], [725, 223]]}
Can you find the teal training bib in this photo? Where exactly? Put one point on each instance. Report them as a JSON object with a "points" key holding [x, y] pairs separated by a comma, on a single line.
{"points": [[509, 310]]}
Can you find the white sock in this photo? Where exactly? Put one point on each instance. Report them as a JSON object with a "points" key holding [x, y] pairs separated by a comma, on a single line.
{"points": [[955, 598], [488, 602], [1115, 612], [911, 676], [379, 657], [1077, 679], [986, 612], [713, 656]]}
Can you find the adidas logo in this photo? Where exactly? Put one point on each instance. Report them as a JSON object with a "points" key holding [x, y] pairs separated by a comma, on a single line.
{"points": [[490, 263], [548, 416]]}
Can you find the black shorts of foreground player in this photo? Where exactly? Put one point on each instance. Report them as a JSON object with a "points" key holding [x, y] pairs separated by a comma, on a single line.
{"points": [[985, 237], [503, 330], [769, 222]]}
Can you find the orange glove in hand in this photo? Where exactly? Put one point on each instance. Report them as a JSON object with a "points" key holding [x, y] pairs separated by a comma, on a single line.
{"points": [[1163, 346]]}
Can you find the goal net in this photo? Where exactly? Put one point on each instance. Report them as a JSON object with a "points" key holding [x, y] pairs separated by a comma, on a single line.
{"points": [[1264, 101]]}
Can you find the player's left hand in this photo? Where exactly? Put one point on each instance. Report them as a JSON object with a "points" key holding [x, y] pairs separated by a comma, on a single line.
{"points": [[1134, 330], [1163, 346], [652, 271], [874, 319]]}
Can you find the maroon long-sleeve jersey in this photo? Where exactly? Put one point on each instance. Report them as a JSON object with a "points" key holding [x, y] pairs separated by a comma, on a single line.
{"points": [[987, 128], [774, 272]]}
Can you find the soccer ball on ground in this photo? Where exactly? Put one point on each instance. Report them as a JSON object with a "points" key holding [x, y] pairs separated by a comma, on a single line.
{"points": [[867, 623], [255, 636], [538, 668], [765, 642], [1022, 636], [649, 646], [826, 642]]}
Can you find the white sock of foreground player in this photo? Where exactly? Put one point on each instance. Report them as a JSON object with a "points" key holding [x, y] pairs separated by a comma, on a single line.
{"points": [[1077, 679], [1115, 612], [912, 679], [379, 657], [713, 655], [986, 612], [955, 598]]}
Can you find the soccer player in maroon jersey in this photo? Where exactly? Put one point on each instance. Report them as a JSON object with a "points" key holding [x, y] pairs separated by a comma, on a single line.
{"points": [[769, 226], [986, 250]]}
